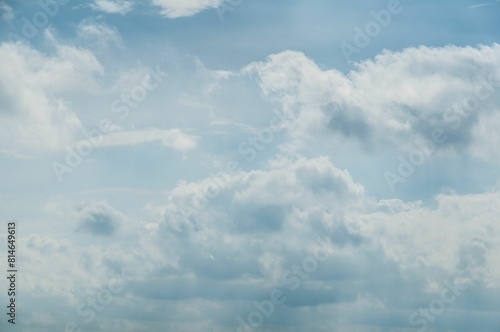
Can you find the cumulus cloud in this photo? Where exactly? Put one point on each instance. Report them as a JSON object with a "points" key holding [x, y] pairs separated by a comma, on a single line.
{"points": [[300, 199], [217, 245], [206, 233], [263, 197], [184, 8], [232, 238], [387, 257], [390, 100]]}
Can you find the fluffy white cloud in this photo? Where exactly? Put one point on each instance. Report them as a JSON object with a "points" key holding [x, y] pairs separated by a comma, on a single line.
{"points": [[391, 100], [183, 8], [298, 151], [247, 233], [381, 249], [220, 243], [262, 199], [302, 198], [32, 117]]}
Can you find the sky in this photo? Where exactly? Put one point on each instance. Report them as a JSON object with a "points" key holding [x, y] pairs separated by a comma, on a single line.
{"points": [[251, 165]]}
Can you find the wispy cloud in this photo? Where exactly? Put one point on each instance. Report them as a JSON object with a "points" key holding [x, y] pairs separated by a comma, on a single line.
{"points": [[483, 4], [173, 138], [112, 6], [184, 8]]}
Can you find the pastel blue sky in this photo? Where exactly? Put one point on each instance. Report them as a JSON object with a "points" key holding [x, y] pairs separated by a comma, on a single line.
{"points": [[212, 148]]}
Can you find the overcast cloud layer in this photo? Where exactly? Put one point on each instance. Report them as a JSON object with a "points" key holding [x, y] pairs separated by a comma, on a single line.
{"points": [[211, 165]]}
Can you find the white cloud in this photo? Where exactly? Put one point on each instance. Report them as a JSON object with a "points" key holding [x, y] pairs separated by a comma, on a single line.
{"points": [[112, 6], [222, 242], [32, 117], [266, 202], [99, 34], [15, 154], [305, 198], [391, 256], [419, 238], [172, 138], [183, 8], [261, 223], [388, 101], [485, 137]]}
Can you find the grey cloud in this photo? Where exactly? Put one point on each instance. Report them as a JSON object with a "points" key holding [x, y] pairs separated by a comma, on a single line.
{"points": [[99, 218], [266, 218], [348, 122]]}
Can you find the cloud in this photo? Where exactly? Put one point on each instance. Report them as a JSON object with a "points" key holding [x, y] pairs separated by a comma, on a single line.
{"points": [[185, 8], [262, 202], [389, 101], [33, 118], [214, 246], [169, 8], [172, 138], [112, 6], [387, 258], [14, 154], [99, 218], [485, 138], [483, 4], [37, 248], [92, 32], [389, 255]]}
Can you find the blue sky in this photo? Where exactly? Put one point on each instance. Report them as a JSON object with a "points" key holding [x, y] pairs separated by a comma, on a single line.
{"points": [[251, 165]]}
